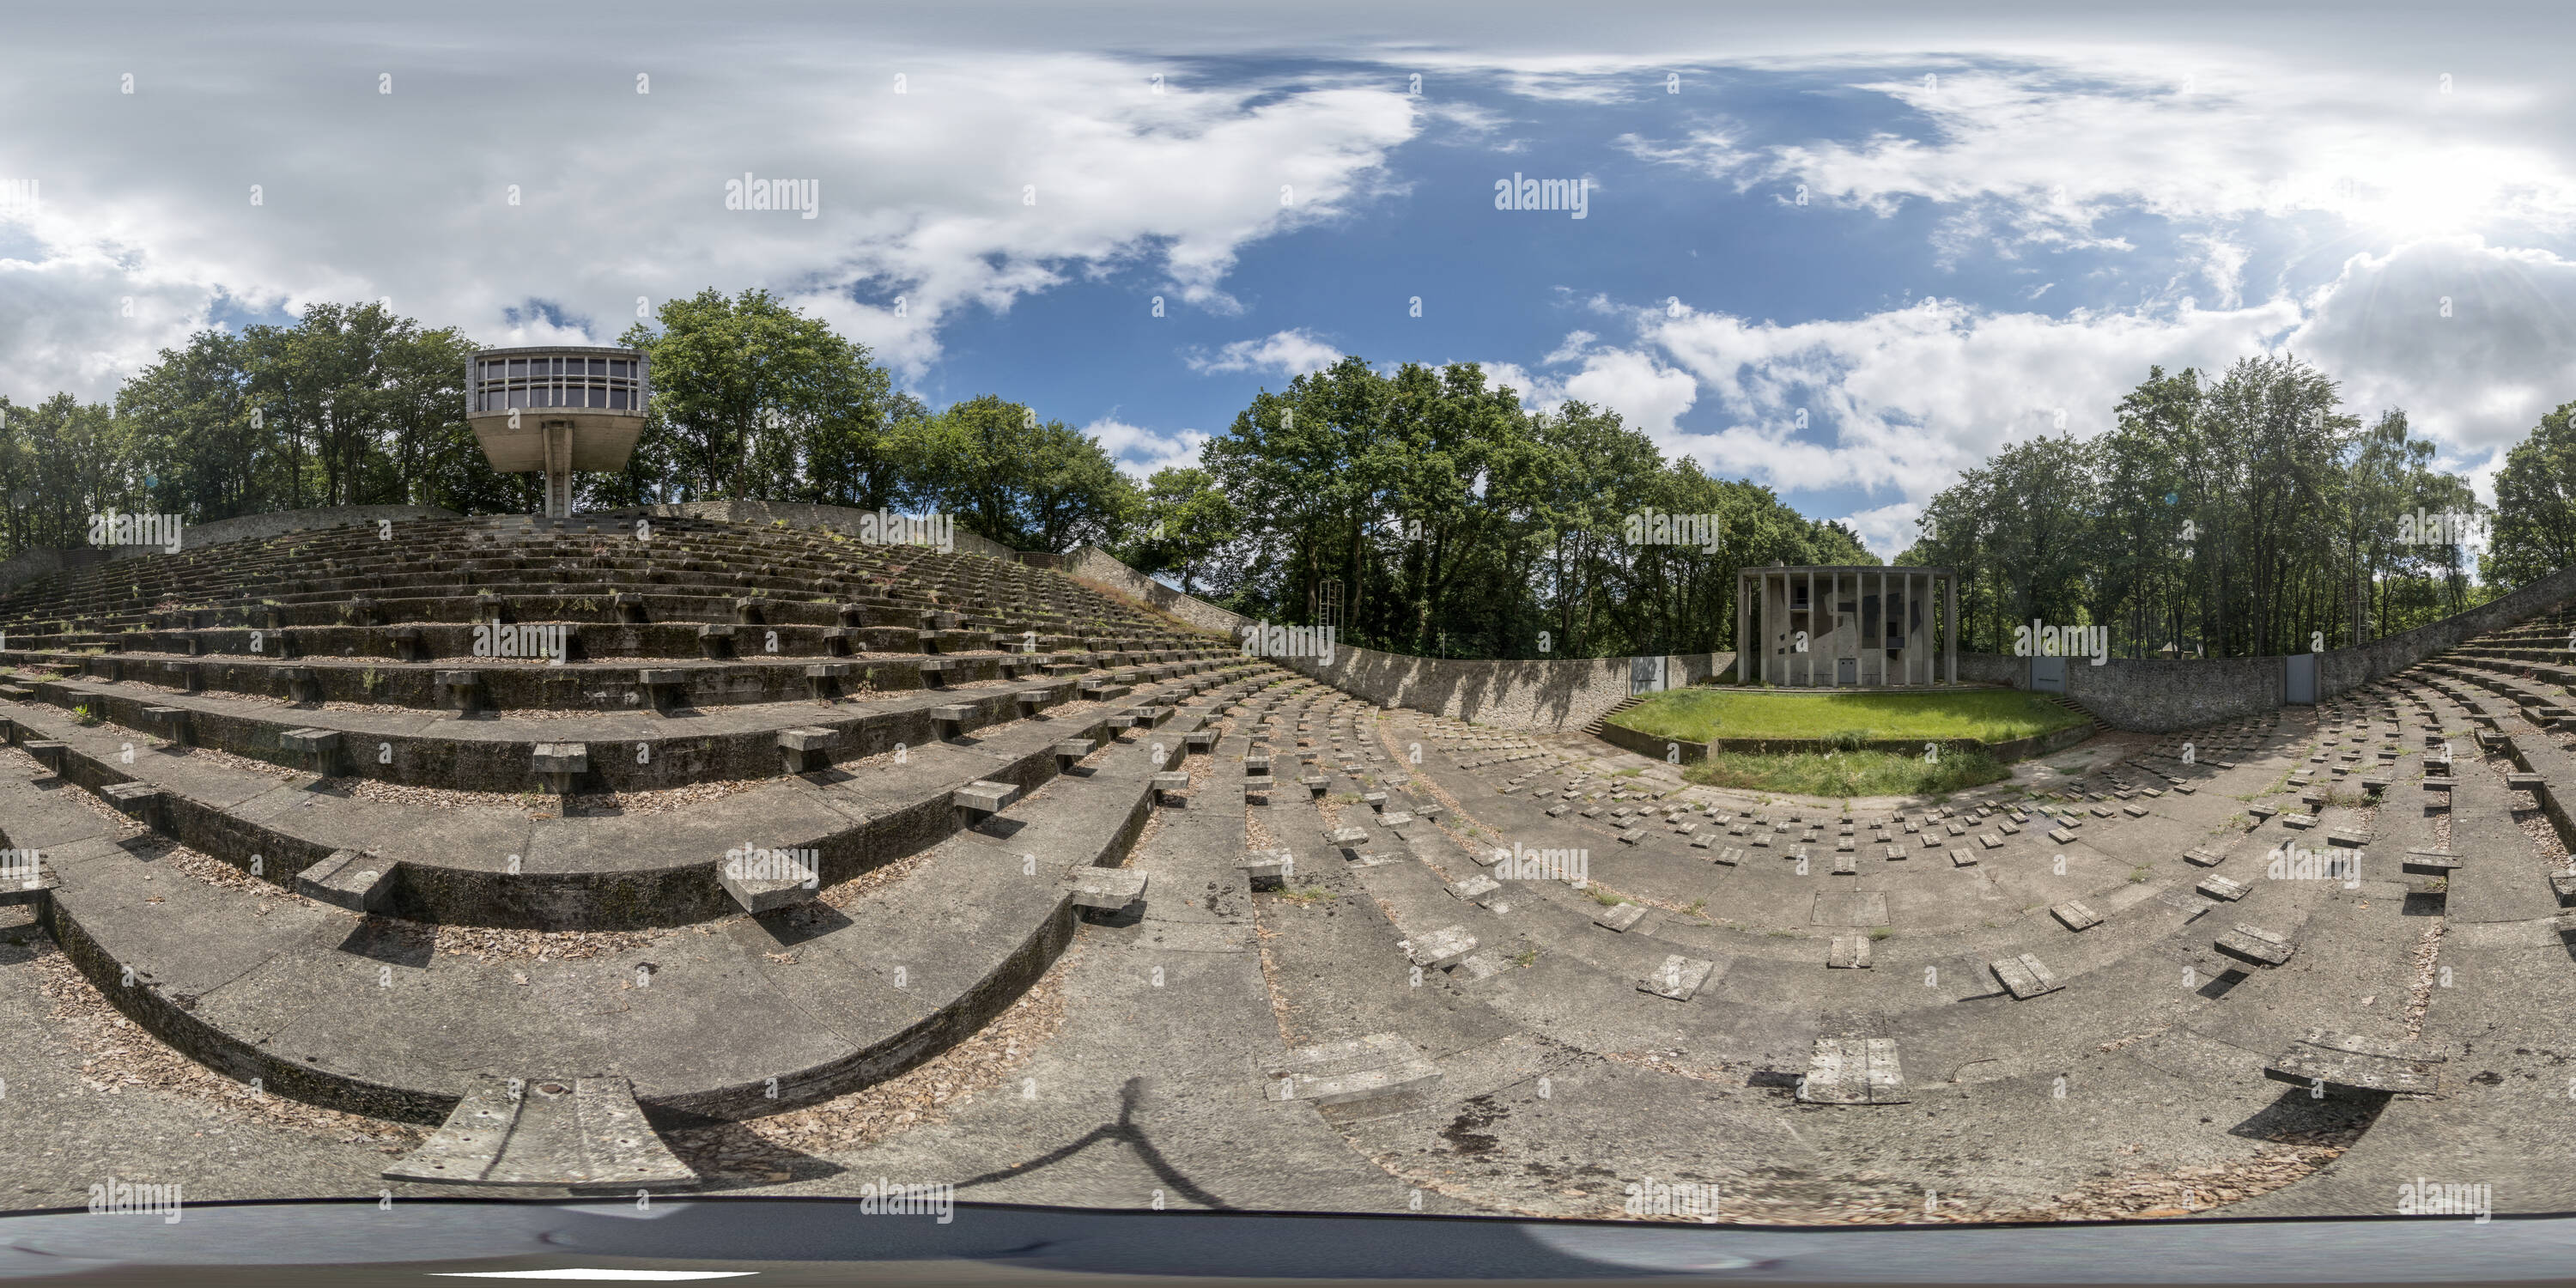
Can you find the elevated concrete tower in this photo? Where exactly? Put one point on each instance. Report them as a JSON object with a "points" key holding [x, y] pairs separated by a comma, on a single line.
{"points": [[555, 409]]}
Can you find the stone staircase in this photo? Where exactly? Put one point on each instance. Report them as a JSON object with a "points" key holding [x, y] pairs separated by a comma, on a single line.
{"points": [[1602, 721], [2065, 703]]}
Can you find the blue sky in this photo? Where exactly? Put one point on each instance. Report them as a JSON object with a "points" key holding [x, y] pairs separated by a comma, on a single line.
{"points": [[2003, 225]]}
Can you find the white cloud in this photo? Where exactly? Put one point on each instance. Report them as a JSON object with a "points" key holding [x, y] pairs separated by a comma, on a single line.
{"points": [[1898, 402], [1648, 393], [2042, 151], [1293, 352], [1711, 150], [2222, 266], [1887, 530], [537, 330], [1468, 124], [1573, 86], [1575, 343], [1140, 452], [1911, 396], [923, 194], [2476, 381]]}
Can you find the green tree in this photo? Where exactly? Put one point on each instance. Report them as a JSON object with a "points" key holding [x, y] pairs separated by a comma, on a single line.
{"points": [[1009, 477], [1184, 522], [2535, 511], [754, 400]]}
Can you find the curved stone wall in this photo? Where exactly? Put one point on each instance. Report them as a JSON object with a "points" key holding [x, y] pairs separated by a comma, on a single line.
{"points": [[1556, 695], [1676, 751], [2156, 696], [2144, 694], [1094, 564]]}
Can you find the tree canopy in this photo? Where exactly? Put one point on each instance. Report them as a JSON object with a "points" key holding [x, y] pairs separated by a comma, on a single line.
{"points": [[2245, 515], [1421, 509], [1427, 511], [353, 405]]}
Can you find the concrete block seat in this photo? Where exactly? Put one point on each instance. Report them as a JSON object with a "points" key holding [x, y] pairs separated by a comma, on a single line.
{"points": [[610, 624], [507, 867], [1344, 965], [431, 750], [699, 1024], [1944, 926]]}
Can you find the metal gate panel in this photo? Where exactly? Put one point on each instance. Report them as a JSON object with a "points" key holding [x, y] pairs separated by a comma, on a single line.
{"points": [[2299, 687], [1645, 675], [2048, 675]]}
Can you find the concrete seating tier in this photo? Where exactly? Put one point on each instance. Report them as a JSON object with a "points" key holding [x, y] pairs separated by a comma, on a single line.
{"points": [[427, 749], [344, 592], [506, 868], [996, 729], [361, 1014], [649, 694], [1546, 973], [2143, 948], [506, 685]]}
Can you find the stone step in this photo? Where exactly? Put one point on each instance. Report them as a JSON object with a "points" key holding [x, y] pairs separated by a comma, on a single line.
{"points": [[2024, 976], [1854, 1071], [2426, 861], [2254, 944], [584, 872], [763, 880], [350, 879], [1364, 1068], [1679, 978], [1621, 917], [571, 1133], [1105, 889], [1444, 947], [26, 877], [2344, 1064]]}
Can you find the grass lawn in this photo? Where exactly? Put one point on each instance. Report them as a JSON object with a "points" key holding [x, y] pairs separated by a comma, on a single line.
{"points": [[1988, 715], [1849, 773]]}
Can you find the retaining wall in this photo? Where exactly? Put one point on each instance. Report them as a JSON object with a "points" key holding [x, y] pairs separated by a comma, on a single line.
{"points": [[1541, 695], [1677, 751], [2156, 695], [1094, 564], [1548, 695]]}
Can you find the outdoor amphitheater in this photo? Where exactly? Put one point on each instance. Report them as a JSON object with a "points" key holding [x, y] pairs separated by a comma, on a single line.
{"points": [[655, 850]]}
